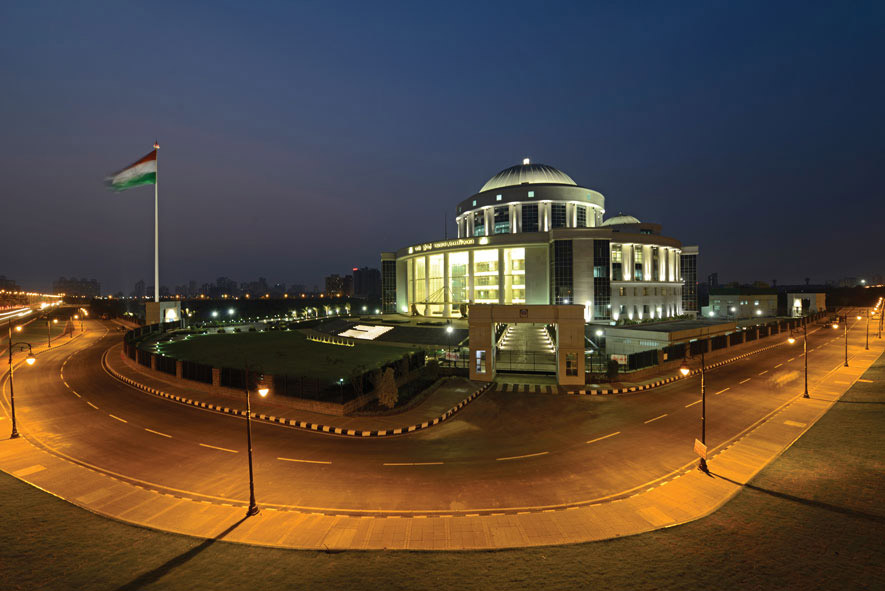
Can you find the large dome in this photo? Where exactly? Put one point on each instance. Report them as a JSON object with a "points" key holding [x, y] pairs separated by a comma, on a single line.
{"points": [[527, 173], [621, 219]]}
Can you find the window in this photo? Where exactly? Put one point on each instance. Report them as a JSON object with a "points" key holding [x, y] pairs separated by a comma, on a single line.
{"points": [[656, 291], [582, 216], [637, 263], [497, 197], [514, 275], [557, 215], [485, 276], [561, 271], [663, 291], [635, 291], [617, 266], [601, 284], [645, 291], [531, 194], [480, 362], [571, 364], [479, 223], [622, 291], [474, 203], [502, 219], [530, 217], [645, 310]]}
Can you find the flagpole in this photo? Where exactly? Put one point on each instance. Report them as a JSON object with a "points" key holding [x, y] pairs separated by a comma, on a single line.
{"points": [[157, 226]]}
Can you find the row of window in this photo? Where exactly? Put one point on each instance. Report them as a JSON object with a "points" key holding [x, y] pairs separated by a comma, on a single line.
{"points": [[501, 217], [622, 291]]}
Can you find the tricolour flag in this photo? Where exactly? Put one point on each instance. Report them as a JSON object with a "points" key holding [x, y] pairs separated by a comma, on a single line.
{"points": [[141, 172]]}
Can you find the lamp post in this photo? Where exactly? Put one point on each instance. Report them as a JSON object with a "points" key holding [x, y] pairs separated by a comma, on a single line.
{"points": [[684, 370], [262, 391], [804, 351], [30, 359], [867, 346]]}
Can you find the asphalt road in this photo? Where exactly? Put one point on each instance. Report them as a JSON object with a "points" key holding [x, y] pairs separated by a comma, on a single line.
{"points": [[505, 451]]}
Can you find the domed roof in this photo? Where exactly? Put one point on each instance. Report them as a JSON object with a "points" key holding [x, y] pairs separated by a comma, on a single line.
{"points": [[527, 173], [621, 219]]}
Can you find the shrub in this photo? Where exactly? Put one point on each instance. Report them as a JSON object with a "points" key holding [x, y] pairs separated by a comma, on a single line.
{"points": [[612, 369], [387, 392], [431, 370], [220, 331]]}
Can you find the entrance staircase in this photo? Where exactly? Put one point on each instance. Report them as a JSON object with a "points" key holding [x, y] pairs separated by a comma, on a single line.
{"points": [[526, 348]]}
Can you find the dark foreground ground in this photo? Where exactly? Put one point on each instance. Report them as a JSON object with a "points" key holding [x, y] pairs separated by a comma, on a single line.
{"points": [[814, 519]]}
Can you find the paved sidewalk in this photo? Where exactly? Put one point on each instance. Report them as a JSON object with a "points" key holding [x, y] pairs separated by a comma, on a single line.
{"points": [[679, 497], [447, 396]]}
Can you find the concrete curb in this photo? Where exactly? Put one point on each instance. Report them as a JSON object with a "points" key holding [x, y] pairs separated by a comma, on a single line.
{"points": [[303, 425]]}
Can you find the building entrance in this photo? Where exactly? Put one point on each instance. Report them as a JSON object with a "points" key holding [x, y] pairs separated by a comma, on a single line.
{"points": [[523, 337]]}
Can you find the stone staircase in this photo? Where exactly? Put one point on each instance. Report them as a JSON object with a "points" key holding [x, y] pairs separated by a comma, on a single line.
{"points": [[526, 347]]}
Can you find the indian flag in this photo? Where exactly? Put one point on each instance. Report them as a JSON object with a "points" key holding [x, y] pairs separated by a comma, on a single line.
{"points": [[140, 172]]}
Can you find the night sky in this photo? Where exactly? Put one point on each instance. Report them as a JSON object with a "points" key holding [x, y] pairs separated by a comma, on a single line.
{"points": [[301, 140]]}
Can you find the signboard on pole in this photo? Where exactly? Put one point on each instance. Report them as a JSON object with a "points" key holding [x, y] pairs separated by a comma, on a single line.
{"points": [[700, 449]]}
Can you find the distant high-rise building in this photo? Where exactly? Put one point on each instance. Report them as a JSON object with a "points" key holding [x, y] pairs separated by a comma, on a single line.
{"points": [[8, 284], [713, 280], [689, 267], [367, 283], [77, 287], [139, 289], [388, 284], [339, 285]]}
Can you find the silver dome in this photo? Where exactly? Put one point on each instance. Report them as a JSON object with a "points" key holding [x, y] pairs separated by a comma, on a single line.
{"points": [[528, 174]]}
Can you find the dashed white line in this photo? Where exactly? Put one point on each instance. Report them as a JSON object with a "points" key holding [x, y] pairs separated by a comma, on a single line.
{"points": [[540, 453], [779, 364], [763, 373], [410, 463], [725, 390], [157, 433], [692, 403], [233, 451], [118, 418], [745, 381], [304, 461], [655, 419], [92, 405], [604, 437], [790, 359]]}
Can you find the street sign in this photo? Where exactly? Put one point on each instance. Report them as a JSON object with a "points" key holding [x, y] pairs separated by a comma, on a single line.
{"points": [[700, 449]]}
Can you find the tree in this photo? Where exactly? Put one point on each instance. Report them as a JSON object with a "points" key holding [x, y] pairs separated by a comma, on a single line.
{"points": [[387, 392], [613, 367], [431, 370], [356, 378]]}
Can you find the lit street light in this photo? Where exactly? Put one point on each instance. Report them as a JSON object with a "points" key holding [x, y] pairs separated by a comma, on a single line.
{"points": [[30, 359], [792, 340], [685, 370], [262, 391]]}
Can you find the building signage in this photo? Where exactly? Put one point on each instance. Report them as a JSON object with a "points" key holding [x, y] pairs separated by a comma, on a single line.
{"points": [[446, 244], [620, 358], [700, 449]]}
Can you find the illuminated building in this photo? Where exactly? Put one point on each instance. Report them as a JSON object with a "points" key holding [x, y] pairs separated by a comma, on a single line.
{"points": [[531, 235]]}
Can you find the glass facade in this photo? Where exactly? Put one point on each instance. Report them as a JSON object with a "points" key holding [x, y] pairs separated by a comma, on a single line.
{"points": [[530, 218], [637, 262], [502, 220], [688, 264], [582, 216], [557, 215], [458, 281], [485, 276], [479, 223], [601, 280], [561, 273], [617, 263], [435, 284], [388, 286], [514, 276]]}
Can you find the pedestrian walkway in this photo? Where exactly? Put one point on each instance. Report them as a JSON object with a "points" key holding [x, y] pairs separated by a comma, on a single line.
{"points": [[451, 395], [683, 495]]}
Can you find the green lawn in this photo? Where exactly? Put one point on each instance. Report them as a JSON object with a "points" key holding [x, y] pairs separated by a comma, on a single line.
{"points": [[812, 520], [36, 333], [281, 352]]}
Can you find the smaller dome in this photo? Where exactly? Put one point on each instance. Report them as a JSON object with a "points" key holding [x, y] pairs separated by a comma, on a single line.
{"points": [[621, 219]]}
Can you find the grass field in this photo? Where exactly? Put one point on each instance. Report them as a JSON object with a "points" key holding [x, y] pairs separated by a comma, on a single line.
{"points": [[811, 520], [280, 352], [35, 332]]}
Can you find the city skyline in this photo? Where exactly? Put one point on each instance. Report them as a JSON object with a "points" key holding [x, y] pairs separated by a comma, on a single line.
{"points": [[726, 128]]}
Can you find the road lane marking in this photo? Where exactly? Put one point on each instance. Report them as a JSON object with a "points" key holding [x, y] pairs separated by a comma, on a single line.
{"points": [[540, 453], [157, 433], [693, 403], [233, 451], [763, 373], [865, 381], [406, 463], [30, 470], [779, 364], [118, 418], [745, 381], [725, 390], [795, 424], [604, 437], [655, 419], [790, 359], [92, 405], [75, 394], [305, 461]]}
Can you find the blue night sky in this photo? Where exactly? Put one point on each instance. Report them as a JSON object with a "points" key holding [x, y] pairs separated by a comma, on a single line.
{"points": [[301, 139]]}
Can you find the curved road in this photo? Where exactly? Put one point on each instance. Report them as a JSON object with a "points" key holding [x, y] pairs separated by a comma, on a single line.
{"points": [[504, 452]]}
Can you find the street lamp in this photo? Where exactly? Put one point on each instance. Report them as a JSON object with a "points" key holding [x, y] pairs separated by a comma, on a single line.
{"points": [[846, 340], [30, 359], [792, 340], [49, 331], [684, 370], [262, 389], [867, 346]]}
